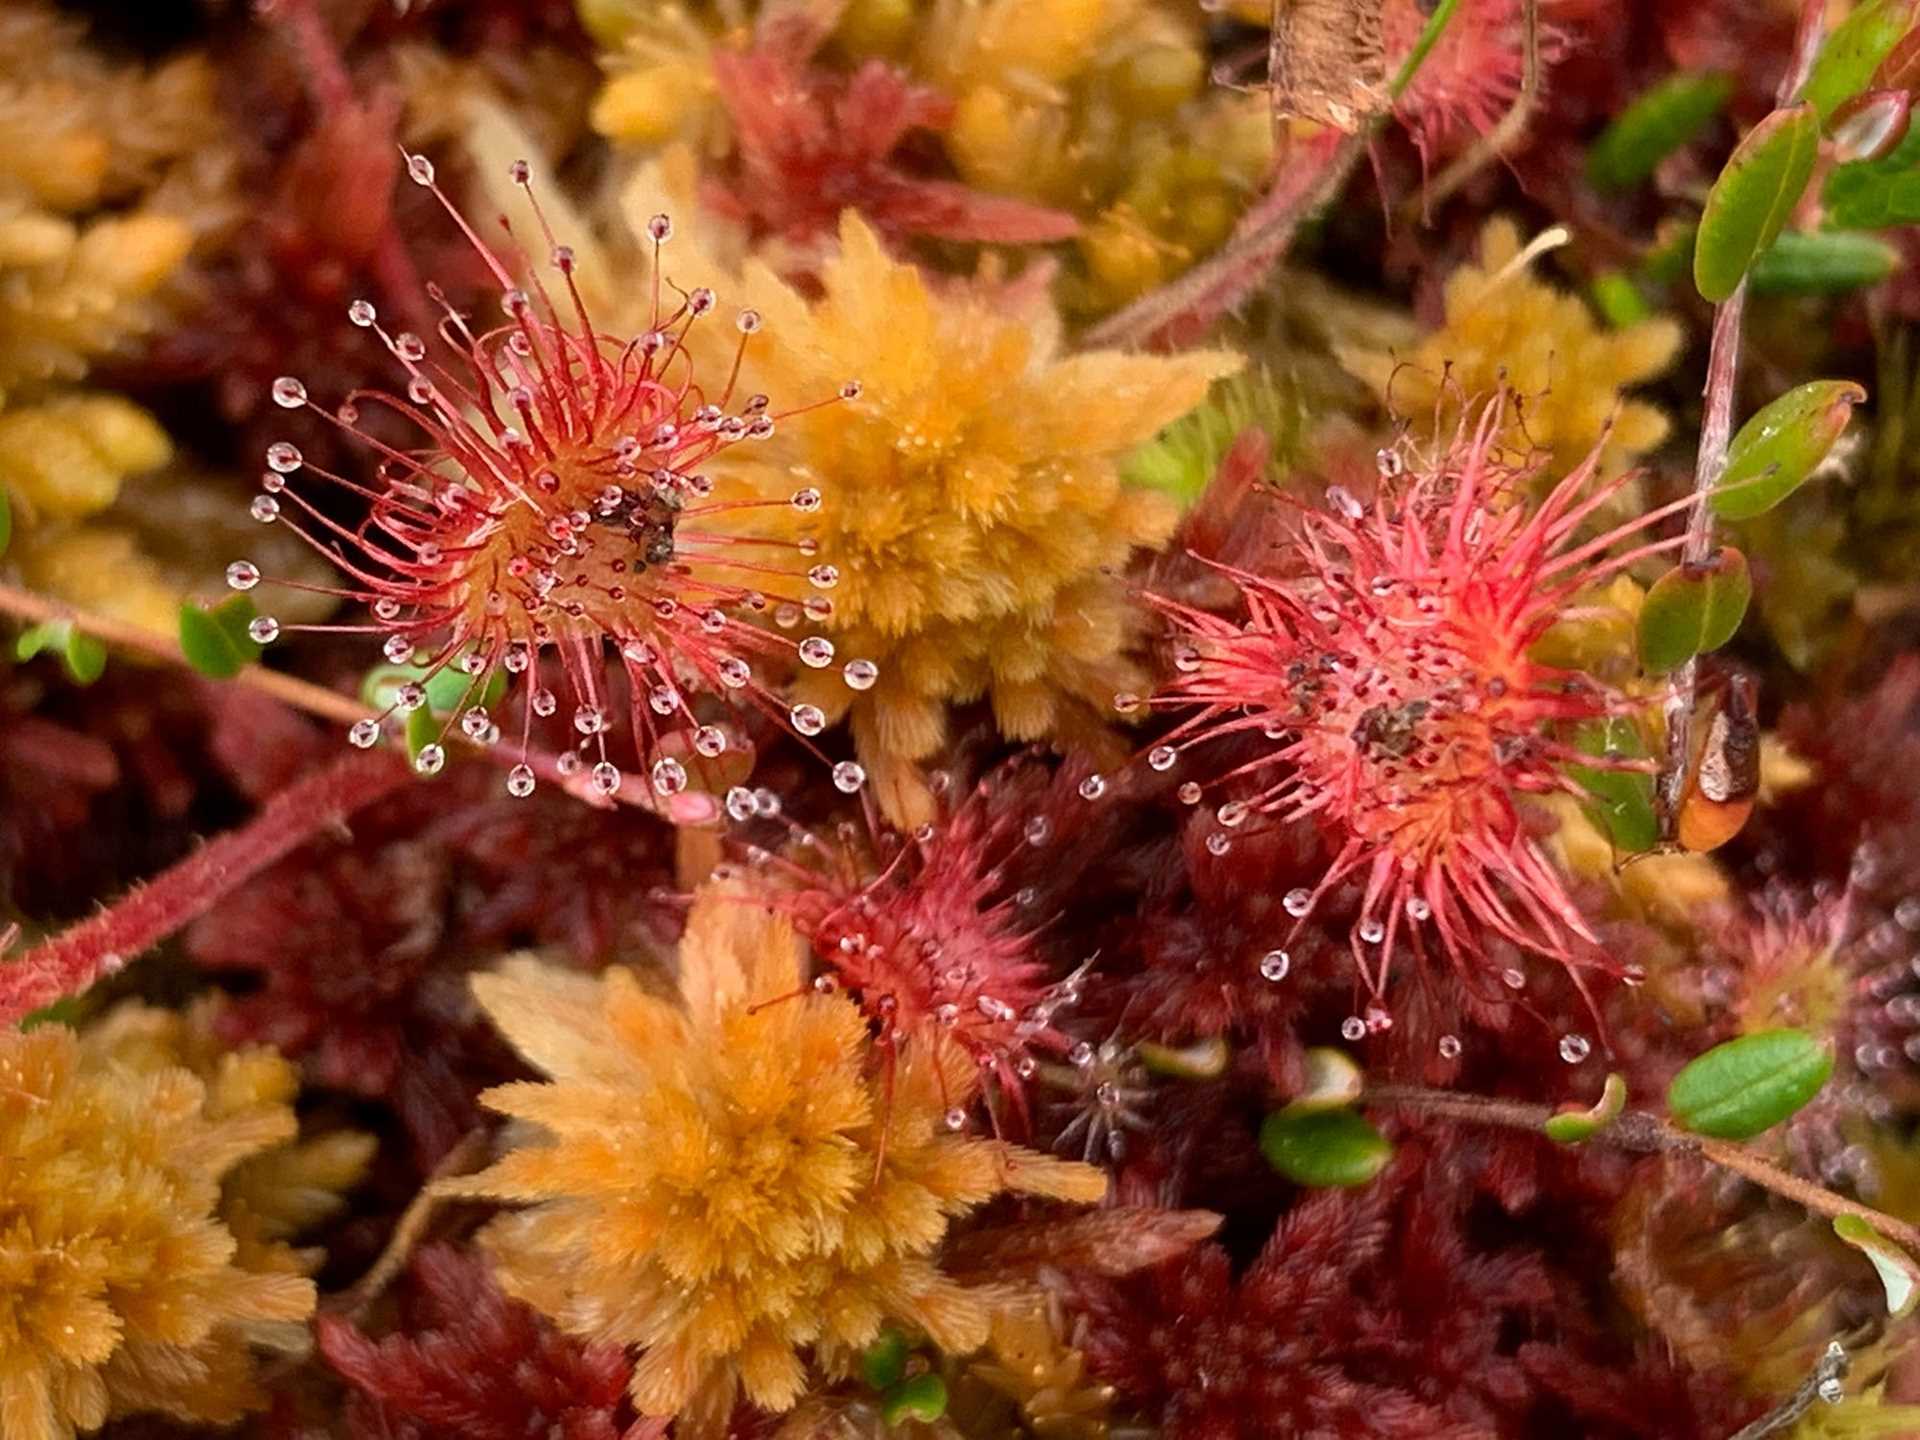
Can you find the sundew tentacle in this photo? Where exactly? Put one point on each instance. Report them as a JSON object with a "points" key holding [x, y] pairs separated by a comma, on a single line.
{"points": [[556, 505]]}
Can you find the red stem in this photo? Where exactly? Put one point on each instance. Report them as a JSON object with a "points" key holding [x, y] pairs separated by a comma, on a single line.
{"points": [[83, 953]]}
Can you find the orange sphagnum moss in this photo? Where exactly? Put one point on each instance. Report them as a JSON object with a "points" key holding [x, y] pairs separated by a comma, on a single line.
{"points": [[1505, 329], [722, 1184], [975, 514], [147, 1190]]}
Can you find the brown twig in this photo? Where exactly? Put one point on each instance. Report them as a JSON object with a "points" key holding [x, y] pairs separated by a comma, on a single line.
{"points": [[81, 954], [464, 1157], [1646, 1133]]}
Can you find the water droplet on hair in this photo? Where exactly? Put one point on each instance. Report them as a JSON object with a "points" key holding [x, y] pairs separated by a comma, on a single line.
{"points": [[605, 778], [1218, 842], [1162, 757], [748, 321], [808, 719], [1081, 1055], [1189, 793], [543, 702], [807, 499], [430, 760], [420, 169], [710, 741], [1575, 1048], [263, 629], [734, 672], [289, 393], [816, 651], [1093, 787], [824, 577], [1449, 1047], [520, 781], [669, 776], [242, 575], [283, 457], [956, 1119], [848, 777], [660, 228], [1340, 498], [1372, 931], [850, 390], [398, 649], [362, 313], [1297, 902], [860, 674], [1038, 830], [363, 734], [1353, 1028], [1275, 964], [1419, 909], [589, 719], [475, 723], [1513, 979]]}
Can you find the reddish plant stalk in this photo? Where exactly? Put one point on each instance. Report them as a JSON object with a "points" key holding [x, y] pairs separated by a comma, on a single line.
{"points": [[72, 960]]}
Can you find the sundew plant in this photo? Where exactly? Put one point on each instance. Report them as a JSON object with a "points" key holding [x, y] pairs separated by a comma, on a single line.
{"points": [[960, 719]]}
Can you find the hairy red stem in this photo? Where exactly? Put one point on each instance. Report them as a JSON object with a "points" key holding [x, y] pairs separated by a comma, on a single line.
{"points": [[83, 953]]}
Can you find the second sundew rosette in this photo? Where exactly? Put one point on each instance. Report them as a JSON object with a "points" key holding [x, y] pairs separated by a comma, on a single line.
{"points": [[972, 509]]}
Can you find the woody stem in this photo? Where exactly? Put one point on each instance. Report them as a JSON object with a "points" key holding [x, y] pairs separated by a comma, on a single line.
{"points": [[72, 960], [1641, 1131]]}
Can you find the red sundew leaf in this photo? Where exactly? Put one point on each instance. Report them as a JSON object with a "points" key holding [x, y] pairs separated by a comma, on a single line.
{"points": [[1869, 126]]}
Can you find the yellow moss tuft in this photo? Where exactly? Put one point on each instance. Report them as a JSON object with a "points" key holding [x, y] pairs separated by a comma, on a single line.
{"points": [[142, 1249], [974, 509], [723, 1184], [1506, 328]]}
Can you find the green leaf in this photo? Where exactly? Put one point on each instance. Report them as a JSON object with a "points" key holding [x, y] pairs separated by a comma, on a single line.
{"points": [[423, 729], [1779, 447], [1898, 1272], [1618, 299], [922, 1398], [1874, 194], [1750, 202], [1619, 801], [1826, 262], [1853, 52], [884, 1363], [215, 641], [1693, 609], [1653, 127], [1323, 1147], [1738, 1089], [1574, 1124], [448, 688], [1205, 1059], [68, 1010], [81, 656]]}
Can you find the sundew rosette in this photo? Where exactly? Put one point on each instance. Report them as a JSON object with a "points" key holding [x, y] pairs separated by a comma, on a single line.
{"points": [[1380, 674], [557, 508]]}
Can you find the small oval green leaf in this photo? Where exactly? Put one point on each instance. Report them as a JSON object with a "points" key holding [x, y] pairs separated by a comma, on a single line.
{"points": [[1738, 1089], [1898, 1271], [1854, 51], [1779, 447], [1575, 1123], [1619, 801], [1751, 201], [1653, 127], [883, 1364], [1826, 262], [1693, 609], [81, 656], [923, 1398], [216, 642], [1323, 1147]]}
